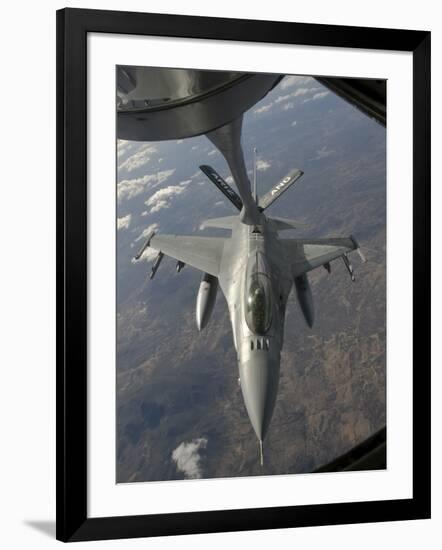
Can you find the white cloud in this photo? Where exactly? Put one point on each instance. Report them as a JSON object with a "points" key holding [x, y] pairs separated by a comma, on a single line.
{"points": [[304, 91], [293, 123], [187, 457], [323, 153], [185, 182], [123, 147], [128, 189], [282, 98], [292, 80], [299, 92], [148, 256], [317, 96], [159, 205], [145, 233], [161, 198], [138, 159], [124, 222], [262, 165], [263, 109]]}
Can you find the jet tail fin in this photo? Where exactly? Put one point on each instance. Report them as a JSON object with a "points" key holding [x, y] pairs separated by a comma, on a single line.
{"points": [[282, 186], [222, 185]]}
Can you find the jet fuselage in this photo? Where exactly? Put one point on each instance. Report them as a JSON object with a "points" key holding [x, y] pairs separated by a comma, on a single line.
{"points": [[256, 288]]}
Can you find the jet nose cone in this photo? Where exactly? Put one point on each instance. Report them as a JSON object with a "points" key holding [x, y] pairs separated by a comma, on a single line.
{"points": [[259, 385]]}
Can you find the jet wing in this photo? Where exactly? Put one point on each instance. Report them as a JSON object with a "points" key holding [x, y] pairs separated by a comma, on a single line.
{"points": [[307, 254], [203, 253]]}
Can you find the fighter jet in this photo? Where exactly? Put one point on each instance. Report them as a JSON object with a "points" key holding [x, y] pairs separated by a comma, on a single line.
{"points": [[256, 269]]}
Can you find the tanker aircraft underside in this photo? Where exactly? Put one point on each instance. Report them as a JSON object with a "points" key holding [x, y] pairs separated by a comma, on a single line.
{"points": [[256, 270]]}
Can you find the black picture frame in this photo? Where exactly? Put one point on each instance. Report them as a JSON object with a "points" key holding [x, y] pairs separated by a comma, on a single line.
{"points": [[73, 25]]}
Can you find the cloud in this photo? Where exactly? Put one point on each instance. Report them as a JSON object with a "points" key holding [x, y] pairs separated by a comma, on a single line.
{"points": [[263, 109], [262, 165], [294, 123], [124, 222], [317, 96], [284, 100], [148, 256], [128, 189], [145, 233], [197, 174], [187, 458], [161, 198], [304, 91], [292, 80], [123, 147], [138, 159], [323, 153]]}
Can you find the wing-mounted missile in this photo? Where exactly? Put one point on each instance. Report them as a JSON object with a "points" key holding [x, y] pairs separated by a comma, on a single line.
{"points": [[145, 245], [205, 299], [305, 298], [179, 266], [156, 264], [349, 267], [363, 258], [358, 249]]}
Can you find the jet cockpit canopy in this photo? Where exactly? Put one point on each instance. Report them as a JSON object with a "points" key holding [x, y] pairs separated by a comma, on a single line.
{"points": [[258, 295]]}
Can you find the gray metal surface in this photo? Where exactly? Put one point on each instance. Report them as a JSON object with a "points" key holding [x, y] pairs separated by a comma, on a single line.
{"points": [[155, 104]]}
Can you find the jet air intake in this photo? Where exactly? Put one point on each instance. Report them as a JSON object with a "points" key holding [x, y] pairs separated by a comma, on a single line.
{"points": [[205, 299], [305, 298]]}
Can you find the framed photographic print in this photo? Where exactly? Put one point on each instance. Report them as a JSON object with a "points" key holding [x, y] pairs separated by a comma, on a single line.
{"points": [[243, 303]]}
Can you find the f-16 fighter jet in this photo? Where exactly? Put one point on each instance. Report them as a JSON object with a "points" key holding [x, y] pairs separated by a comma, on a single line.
{"points": [[256, 270]]}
